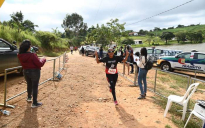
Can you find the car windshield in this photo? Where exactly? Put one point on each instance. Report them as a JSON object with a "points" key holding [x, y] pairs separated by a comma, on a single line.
{"points": [[149, 51]]}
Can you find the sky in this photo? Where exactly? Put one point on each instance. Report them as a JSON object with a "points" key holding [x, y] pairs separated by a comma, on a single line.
{"points": [[49, 14]]}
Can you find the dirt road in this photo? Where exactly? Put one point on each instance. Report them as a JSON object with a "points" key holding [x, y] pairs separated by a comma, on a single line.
{"points": [[81, 100]]}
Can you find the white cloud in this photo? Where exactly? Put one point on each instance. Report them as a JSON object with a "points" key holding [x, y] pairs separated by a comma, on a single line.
{"points": [[48, 14]]}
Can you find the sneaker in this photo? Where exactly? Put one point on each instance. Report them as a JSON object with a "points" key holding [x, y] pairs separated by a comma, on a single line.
{"points": [[29, 100], [36, 105], [131, 72], [116, 102], [141, 97]]}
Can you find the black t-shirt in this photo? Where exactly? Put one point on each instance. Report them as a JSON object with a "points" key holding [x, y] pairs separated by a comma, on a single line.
{"points": [[111, 64]]}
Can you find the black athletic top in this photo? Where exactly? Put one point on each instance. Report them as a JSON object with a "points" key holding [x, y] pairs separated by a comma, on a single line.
{"points": [[111, 64]]}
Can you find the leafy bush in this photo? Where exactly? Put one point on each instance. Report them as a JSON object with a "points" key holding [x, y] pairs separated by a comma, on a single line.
{"points": [[46, 39], [128, 41]]}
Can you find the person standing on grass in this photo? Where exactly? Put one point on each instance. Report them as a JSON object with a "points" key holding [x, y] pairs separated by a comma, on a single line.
{"points": [[71, 49], [142, 73], [111, 69], [31, 68]]}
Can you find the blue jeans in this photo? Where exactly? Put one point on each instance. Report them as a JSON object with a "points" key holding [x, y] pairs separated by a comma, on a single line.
{"points": [[142, 77]]}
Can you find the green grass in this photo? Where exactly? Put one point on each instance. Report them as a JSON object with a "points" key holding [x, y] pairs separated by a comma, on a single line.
{"points": [[176, 116], [185, 29], [168, 126]]}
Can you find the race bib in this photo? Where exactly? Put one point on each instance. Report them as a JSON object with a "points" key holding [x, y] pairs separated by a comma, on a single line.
{"points": [[112, 71]]}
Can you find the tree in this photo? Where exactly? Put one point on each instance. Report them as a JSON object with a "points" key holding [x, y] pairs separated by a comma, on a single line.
{"points": [[143, 32], [105, 34], [171, 28], [157, 29], [167, 36], [116, 29], [190, 36], [128, 41], [74, 23], [17, 18], [28, 25], [180, 26], [181, 36], [149, 40]]}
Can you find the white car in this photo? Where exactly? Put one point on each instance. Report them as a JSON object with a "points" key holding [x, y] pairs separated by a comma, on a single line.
{"points": [[184, 61]]}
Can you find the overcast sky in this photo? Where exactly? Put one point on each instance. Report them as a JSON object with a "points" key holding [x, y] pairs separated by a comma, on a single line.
{"points": [[48, 14]]}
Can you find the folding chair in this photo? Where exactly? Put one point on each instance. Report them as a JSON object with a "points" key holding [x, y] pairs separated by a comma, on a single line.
{"points": [[182, 100], [197, 112]]}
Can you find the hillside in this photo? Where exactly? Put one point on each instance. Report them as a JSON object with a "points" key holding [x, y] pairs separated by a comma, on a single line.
{"points": [[48, 43], [184, 29], [156, 40]]}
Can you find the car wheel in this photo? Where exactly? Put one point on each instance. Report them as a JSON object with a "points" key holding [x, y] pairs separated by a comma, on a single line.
{"points": [[166, 66]]}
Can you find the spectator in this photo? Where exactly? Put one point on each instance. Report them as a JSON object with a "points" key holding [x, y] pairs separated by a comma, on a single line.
{"points": [[31, 65], [101, 52], [142, 73]]}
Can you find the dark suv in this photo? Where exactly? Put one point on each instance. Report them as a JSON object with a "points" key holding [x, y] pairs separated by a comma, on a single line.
{"points": [[8, 56]]}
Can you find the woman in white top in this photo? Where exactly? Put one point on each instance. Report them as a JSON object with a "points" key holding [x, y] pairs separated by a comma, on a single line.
{"points": [[142, 73]]}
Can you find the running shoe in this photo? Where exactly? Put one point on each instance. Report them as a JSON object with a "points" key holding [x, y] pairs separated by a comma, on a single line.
{"points": [[141, 97], [36, 105], [116, 102], [29, 100]]}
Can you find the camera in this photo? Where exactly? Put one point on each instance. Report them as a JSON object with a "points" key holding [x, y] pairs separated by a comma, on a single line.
{"points": [[34, 49]]}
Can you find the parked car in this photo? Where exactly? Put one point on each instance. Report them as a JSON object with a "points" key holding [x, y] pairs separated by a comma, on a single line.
{"points": [[184, 61], [8, 56], [85, 47], [155, 54], [91, 51]]}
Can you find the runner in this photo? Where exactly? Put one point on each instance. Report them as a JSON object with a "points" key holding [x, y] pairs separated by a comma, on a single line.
{"points": [[111, 69], [76, 48], [71, 49]]}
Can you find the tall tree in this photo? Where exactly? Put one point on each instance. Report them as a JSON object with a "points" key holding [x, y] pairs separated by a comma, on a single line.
{"points": [[17, 18], [28, 25], [181, 36], [167, 36], [74, 23]]}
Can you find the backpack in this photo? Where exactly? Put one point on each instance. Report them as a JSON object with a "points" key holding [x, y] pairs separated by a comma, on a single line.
{"points": [[149, 64]]}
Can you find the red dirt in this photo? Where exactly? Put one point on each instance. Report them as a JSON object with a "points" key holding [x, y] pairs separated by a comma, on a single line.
{"points": [[81, 99]]}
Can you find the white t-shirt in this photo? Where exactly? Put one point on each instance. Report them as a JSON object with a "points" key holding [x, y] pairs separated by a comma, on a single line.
{"points": [[71, 48], [141, 62]]}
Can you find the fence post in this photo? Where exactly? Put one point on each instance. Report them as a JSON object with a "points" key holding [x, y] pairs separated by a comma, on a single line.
{"points": [[54, 63], [59, 64], [123, 68], [155, 82], [5, 79], [135, 78]]}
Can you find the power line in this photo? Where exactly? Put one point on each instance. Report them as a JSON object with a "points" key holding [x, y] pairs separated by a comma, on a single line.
{"points": [[161, 13], [114, 9], [98, 9]]}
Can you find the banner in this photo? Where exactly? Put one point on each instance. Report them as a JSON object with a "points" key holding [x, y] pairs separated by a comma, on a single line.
{"points": [[1, 2]]}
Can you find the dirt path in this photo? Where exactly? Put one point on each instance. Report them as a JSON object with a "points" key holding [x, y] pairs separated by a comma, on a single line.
{"points": [[82, 99]]}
